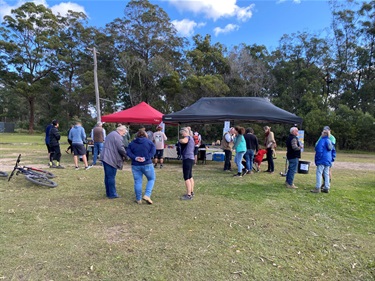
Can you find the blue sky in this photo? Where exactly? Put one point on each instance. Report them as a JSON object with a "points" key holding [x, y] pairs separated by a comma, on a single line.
{"points": [[229, 22]]}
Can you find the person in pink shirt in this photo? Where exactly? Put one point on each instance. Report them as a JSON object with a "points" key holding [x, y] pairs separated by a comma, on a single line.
{"points": [[159, 139]]}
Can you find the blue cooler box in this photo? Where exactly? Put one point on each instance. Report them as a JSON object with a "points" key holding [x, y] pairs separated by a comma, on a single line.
{"points": [[218, 156]]}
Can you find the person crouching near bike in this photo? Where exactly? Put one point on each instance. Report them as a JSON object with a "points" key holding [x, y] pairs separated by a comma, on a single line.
{"points": [[78, 136], [112, 157], [54, 138]]}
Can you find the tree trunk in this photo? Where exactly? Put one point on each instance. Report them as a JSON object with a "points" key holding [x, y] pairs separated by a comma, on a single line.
{"points": [[31, 101]]}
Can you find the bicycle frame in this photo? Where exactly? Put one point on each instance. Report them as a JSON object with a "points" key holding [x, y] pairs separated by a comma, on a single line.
{"points": [[34, 175]]}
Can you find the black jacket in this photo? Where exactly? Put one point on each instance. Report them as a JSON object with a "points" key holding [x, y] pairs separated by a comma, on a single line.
{"points": [[251, 142], [54, 137]]}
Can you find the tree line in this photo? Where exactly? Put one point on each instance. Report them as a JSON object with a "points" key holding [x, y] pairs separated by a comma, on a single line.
{"points": [[46, 69]]}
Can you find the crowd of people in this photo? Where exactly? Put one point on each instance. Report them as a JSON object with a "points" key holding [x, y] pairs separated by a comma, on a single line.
{"points": [[247, 147], [146, 150]]}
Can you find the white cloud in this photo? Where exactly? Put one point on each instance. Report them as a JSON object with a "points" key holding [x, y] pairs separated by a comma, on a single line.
{"points": [[186, 27], [62, 8], [228, 28], [215, 9]]}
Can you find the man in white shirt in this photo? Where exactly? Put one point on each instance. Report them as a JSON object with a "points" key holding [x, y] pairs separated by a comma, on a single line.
{"points": [[159, 139]]}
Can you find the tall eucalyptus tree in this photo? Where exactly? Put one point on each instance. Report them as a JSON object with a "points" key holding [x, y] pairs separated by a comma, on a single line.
{"points": [[148, 50], [29, 46]]}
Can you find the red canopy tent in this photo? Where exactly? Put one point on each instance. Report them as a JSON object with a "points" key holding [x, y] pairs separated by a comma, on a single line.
{"points": [[139, 114]]}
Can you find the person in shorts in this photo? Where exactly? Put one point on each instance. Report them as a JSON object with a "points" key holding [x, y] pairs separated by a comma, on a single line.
{"points": [[78, 136], [159, 139]]}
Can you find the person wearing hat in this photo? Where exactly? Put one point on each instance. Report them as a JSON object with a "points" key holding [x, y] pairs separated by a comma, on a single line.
{"points": [[98, 136], [323, 161], [333, 151], [54, 138], [159, 139], [78, 136]]}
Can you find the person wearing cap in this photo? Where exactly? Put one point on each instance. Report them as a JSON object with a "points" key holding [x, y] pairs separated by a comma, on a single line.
{"points": [[333, 151], [293, 155], [270, 145], [159, 139], [323, 161], [78, 136], [54, 138], [98, 136]]}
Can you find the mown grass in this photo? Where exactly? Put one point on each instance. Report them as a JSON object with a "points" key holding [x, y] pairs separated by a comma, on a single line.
{"points": [[249, 228]]}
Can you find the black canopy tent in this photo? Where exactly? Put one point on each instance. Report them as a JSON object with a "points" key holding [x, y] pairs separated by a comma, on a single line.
{"points": [[246, 109]]}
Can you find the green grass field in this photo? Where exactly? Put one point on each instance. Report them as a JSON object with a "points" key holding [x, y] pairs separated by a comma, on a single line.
{"points": [[249, 228]]}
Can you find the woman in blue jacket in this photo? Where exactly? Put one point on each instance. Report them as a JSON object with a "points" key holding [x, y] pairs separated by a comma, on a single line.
{"points": [[140, 151], [323, 161]]}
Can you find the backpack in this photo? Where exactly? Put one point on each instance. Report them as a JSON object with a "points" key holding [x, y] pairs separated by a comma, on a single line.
{"points": [[196, 139]]}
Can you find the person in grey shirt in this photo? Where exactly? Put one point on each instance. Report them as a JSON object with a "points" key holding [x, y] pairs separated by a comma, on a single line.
{"points": [[113, 156]]}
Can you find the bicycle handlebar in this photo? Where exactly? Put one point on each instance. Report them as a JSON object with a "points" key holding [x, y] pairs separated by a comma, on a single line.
{"points": [[15, 166]]}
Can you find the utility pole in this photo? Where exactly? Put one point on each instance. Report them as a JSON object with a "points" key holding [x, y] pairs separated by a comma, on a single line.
{"points": [[98, 115]]}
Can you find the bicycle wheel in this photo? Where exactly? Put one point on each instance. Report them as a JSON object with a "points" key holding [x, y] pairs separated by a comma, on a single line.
{"points": [[3, 174], [41, 172], [40, 180]]}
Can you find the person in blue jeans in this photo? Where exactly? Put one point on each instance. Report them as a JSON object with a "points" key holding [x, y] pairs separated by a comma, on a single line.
{"points": [[141, 151], [112, 157], [98, 136], [240, 147], [323, 161], [293, 153], [252, 147]]}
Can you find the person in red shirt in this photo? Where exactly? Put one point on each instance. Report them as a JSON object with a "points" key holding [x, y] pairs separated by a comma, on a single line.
{"points": [[259, 158]]}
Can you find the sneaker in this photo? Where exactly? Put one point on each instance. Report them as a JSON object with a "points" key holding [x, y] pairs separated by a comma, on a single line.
{"points": [[315, 190], [325, 190], [59, 167], [238, 175], [147, 199], [187, 197], [77, 168], [244, 172], [88, 167], [139, 202], [291, 186], [52, 165]]}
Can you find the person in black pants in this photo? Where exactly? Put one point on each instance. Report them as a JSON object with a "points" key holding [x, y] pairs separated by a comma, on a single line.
{"points": [[54, 137], [270, 144], [227, 146]]}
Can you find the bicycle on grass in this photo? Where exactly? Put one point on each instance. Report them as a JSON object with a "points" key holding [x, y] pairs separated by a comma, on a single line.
{"points": [[35, 175]]}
